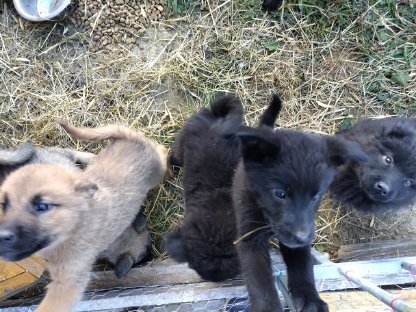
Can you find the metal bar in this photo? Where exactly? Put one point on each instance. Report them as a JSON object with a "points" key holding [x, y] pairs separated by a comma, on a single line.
{"points": [[396, 303], [329, 275], [411, 267], [281, 284], [380, 272]]}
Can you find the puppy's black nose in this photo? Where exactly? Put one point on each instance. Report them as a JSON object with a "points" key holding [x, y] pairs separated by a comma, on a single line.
{"points": [[7, 238], [382, 188]]}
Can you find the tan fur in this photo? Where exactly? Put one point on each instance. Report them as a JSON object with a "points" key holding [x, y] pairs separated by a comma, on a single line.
{"points": [[95, 206], [134, 245]]}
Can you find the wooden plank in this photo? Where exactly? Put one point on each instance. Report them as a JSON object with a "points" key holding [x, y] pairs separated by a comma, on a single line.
{"points": [[9, 270], [16, 277], [33, 265], [377, 250], [157, 272], [360, 301], [380, 272], [16, 284]]}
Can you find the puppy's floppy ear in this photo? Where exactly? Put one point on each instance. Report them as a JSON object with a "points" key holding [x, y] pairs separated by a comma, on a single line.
{"points": [[341, 151], [17, 156], [86, 187], [257, 146], [400, 132], [175, 246]]}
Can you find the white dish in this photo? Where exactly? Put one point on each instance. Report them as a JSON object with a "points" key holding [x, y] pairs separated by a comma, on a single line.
{"points": [[42, 10]]}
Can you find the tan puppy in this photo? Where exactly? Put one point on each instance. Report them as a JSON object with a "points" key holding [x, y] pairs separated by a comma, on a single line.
{"points": [[131, 246], [69, 218]]}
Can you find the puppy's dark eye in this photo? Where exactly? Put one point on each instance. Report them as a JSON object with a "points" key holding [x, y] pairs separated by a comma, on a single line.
{"points": [[387, 160], [42, 207], [408, 182], [5, 204], [278, 193]]}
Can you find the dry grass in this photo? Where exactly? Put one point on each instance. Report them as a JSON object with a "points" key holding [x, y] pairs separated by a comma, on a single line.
{"points": [[331, 61]]}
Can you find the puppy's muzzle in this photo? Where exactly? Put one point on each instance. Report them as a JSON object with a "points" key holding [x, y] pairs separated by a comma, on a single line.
{"points": [[303, 236], [295, 237], [382, 191], [7, 239], [18, 242]]}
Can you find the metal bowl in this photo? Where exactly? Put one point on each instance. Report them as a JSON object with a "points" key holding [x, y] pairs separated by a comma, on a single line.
{"points": [[43, 10]]}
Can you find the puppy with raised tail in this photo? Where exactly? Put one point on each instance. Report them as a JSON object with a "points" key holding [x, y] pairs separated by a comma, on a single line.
{"points": [[209, 152], [68, 218]]}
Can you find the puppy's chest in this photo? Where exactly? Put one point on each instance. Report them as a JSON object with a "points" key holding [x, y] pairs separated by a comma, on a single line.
{"points": [[113, 210]]}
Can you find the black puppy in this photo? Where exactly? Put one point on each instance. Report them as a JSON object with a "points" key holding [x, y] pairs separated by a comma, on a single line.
{"points": [[209, 152], [388, 179], [276, 192]]}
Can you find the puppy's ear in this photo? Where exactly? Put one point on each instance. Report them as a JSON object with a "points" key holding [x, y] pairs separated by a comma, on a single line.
{"points": [[86, 187], [257, 146], [17, 156], [400, 132], [341, 151], [175, 246]]}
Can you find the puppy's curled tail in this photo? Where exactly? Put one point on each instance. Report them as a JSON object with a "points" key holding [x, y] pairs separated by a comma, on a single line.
{"points": [[230, 110], [17, 156], [110, 132], [272, 111]]}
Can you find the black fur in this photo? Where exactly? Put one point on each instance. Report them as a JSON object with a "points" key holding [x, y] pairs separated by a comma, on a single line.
{"points": [[269, 116], [278, 186], [376, 186], [208, 150], [271, 5]]}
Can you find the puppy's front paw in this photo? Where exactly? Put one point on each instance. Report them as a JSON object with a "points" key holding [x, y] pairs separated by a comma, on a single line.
{"points": [[123, 265], [310, 304], [139, 223]]}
